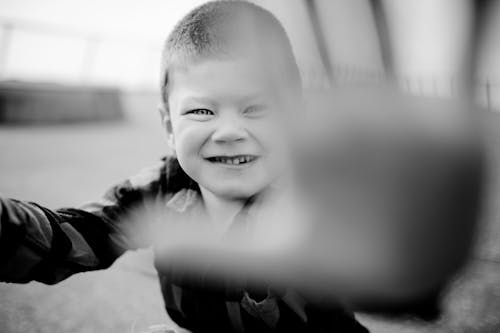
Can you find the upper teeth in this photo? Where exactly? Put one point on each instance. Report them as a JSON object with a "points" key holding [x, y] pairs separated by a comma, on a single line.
{"points": [[233, 160]]}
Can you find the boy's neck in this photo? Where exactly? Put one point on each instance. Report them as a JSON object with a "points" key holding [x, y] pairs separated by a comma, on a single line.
{"points": [[221, 211]]}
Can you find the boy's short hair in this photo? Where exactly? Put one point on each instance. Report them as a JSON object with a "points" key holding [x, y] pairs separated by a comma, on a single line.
{"points": [[207, 31]]}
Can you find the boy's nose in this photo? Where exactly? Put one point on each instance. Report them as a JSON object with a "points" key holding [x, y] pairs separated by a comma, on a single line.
{"points": [[229, 131]]}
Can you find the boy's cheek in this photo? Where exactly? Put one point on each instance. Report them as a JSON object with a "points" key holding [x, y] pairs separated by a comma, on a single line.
{"points": [[180, 126], [271, 131], [189, 136]]}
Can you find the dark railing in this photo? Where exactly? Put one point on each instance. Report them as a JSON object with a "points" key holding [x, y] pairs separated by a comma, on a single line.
{"points": [[487, 90]]}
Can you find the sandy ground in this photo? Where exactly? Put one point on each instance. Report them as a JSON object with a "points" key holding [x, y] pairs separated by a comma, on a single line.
{"points": [[65, 165]]}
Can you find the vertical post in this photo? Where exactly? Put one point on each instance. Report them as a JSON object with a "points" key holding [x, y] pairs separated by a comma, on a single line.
{"points": [[382, 27], [482, 12], [488, 94], [319, 36]]}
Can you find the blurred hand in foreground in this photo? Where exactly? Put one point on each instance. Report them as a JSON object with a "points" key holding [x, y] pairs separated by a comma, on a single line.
{"points": [[381, 211]]}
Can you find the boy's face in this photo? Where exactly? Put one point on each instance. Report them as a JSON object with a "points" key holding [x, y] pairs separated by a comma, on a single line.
{"points": [[228, 122]]}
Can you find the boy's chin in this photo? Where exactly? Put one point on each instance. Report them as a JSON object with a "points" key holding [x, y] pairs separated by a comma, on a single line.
{"points": [[235, 192]]}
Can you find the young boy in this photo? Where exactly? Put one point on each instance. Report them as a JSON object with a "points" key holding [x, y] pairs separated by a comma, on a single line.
{"points": [[229, 83]]}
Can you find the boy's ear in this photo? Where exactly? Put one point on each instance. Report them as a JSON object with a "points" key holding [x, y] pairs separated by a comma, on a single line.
{"points": [[167, 124]]}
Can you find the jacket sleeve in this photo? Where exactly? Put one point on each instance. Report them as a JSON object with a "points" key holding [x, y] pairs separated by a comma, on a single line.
{"points": [[48, 246]]}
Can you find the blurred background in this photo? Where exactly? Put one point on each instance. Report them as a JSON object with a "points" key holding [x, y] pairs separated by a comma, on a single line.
{"points": [[78, 96]]}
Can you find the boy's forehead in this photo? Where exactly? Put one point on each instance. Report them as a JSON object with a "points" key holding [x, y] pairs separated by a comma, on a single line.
{"points": [[222, 65], [241, 75]]}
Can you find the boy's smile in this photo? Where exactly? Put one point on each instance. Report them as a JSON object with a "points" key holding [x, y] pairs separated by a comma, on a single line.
{"points": [[236, 161], [228, 125]]}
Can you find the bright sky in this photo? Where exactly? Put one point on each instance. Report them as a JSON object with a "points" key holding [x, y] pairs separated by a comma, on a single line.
{"points": [[149, 20], [50, 39]]}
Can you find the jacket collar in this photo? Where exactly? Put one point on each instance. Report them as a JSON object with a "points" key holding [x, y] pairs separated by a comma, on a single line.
{"points": [[183, 200]]}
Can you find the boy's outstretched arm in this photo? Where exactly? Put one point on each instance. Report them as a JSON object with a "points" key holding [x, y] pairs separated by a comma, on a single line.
{"points": [[45, 245], [39, 244]]}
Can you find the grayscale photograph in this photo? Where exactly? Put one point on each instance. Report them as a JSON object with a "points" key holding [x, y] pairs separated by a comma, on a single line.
{"points": [[248, 166]]}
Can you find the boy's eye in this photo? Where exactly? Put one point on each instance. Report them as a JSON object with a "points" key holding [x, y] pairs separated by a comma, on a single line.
{"points": [[199, 114], [203, 112]]}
